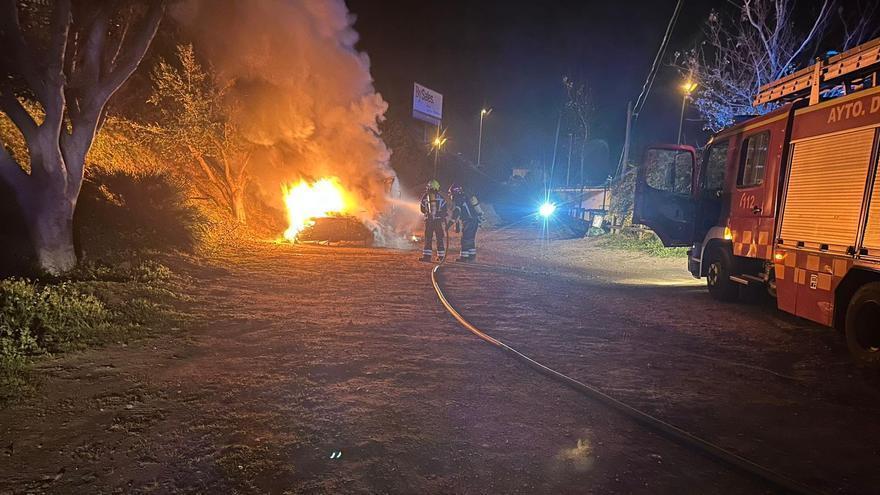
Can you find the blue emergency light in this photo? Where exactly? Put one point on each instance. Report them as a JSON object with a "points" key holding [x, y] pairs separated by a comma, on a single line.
{"points": [[547, 209]]}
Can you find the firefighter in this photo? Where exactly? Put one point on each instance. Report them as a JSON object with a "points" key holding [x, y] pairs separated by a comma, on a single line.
{"points": [[466, 209], [433, 206]]}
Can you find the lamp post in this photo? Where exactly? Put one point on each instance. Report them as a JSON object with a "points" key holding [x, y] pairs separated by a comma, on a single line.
{"points": [[483, 113], [437, 144], [687, 88]]}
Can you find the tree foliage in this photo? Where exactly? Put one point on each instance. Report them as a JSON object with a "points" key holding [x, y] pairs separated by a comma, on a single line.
{"points": [[121, 147], [197, 130], [761, 44], [740, 55], [577, 120]]}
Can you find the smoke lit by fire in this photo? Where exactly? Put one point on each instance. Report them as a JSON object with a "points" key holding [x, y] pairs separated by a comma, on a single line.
{"points": [[303, 95], [306, 201]]}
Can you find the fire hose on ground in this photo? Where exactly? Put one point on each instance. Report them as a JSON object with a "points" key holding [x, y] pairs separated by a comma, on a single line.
{"points": [[672, 432]]}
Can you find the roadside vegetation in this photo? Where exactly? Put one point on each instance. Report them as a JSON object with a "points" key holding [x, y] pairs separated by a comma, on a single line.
{"points": [[643, 242], [156, 192], [131, 228], [96, 305]]}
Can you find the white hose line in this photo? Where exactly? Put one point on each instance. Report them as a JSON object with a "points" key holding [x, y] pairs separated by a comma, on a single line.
{"points": [[710, 449]]}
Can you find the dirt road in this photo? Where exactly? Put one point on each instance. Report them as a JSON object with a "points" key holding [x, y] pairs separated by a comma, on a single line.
{"points": [[304, 353]]}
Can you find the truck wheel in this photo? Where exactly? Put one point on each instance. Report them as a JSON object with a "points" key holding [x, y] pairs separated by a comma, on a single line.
{"points": [[862, 328], [718, 277]]}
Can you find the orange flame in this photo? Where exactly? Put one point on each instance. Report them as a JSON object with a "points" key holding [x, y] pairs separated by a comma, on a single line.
{"points": [[306, 201]]}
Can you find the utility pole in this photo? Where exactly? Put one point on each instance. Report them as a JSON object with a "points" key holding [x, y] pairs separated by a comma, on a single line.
{"points": [[687, 88], [684, 100], [624, 157], [553, 163], [584, 152], [437, 144], [436, 151], [483, 113], [568, 168]]}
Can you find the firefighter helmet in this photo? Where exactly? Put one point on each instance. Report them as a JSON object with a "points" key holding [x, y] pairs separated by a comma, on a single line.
{"points": [[455, 190], [433, 185]]}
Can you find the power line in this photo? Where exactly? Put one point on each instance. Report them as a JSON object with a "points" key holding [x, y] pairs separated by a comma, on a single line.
{"points": [[646, 88]]}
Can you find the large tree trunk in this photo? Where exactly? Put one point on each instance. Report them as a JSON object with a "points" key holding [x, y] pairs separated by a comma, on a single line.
{"points": [[50, 224], [48, 201]]}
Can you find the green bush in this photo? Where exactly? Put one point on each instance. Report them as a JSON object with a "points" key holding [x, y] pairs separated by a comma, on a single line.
{"points": [[152, 272], [38, 320], [119, 212], [100, 302], [149, 272]]}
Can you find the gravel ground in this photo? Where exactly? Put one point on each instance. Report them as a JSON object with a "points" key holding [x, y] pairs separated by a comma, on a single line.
{"points": [[302, 352]]}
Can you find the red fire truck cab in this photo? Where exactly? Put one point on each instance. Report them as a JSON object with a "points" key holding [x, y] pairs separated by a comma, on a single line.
{"points": [[788, 201]]}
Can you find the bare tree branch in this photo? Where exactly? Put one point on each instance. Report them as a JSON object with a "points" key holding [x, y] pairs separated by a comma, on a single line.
{"points": [[131, 57], [242, 173], [863, 28], [10, 105], [740, 54], [759, 28], [17, 56], [208, 170], [88, 120], [818, 24], [93, 47], [55, 80], [114, 58]]}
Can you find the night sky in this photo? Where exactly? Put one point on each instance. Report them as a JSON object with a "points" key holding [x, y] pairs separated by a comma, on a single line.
{"points": [[512, 55]]}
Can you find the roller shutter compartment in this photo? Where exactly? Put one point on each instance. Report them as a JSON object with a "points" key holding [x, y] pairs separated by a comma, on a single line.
{"points": [[826, 186]]}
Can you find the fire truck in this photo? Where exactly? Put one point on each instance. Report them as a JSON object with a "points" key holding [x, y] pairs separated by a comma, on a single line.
{"points": [[787, 202]]}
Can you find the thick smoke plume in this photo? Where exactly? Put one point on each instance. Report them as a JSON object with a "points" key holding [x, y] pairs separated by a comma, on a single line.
{"points": [[301, 91]]}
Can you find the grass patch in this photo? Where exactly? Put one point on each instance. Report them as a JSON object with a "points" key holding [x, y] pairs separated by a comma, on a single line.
{"points": [[94, 305], [647, 243]]}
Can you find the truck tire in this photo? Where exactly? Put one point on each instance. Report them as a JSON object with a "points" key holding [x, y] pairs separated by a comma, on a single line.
{"points": [[718, 276], [863, 326]]}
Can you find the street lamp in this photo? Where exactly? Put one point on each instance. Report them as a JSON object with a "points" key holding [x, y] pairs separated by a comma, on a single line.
{"points": [[483, 113], [687, 88], [437, 144]]}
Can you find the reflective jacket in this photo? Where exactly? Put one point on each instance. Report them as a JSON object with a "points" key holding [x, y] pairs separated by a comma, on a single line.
{"points": [[433, 206], [467, 207]]}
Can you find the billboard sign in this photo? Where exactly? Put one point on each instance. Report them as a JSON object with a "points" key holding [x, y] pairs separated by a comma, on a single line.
{"points": [[427, 104]]}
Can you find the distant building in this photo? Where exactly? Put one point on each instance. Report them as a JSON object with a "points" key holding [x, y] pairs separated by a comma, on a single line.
{"points": [[519, 172], [592, 198]]}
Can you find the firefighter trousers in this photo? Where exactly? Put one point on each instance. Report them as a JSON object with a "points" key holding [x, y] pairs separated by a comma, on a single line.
{"points": [[434, 228], [469, 238]]}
